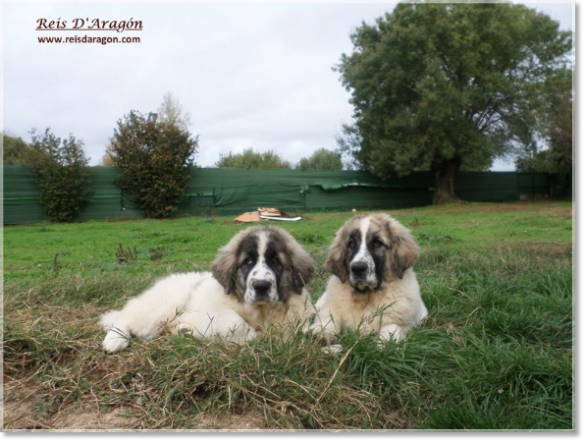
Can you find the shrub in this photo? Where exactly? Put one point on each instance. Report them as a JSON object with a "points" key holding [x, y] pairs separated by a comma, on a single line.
{"points": [[60, 170], [322, 159], [253, 160], [16, 151], [530, 160], [155, 159]]}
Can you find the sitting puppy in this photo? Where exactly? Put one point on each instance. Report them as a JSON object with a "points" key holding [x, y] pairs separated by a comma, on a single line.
{"points": [[258, 280], [373, 287]]}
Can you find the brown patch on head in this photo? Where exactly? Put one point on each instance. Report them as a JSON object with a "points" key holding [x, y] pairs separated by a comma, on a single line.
{"points": [[225, 264], [403, 249], [299, 267], [298, 263], [337, 259]]}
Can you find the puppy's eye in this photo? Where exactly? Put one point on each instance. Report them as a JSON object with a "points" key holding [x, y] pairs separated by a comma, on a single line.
{"points": [[378, 244], [275, 261], [350, 243], [249, 261]]}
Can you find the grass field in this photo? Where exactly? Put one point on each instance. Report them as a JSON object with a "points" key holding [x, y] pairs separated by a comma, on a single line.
{"points": [[496, 351]]}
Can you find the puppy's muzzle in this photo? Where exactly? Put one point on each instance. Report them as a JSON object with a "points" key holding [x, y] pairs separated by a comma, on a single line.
{"points": [[359, 270], [262, 290], [362, 276]]}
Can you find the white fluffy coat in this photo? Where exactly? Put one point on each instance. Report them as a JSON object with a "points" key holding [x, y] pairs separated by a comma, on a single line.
{"points": [[196, 304]]}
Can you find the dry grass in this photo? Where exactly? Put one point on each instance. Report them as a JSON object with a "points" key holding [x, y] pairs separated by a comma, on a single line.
{"points": [[58, 377]]}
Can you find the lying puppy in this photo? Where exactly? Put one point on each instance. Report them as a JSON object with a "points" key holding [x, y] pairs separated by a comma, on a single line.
{"points": [[373, 287], [258, 280]]}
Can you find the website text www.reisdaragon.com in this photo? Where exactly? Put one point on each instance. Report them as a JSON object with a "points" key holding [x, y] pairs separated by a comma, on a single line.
{"points": [[88, 39]]}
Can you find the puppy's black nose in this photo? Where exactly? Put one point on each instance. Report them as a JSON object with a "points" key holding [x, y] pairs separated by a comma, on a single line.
{"points": [[261, 287], [359, 268]]}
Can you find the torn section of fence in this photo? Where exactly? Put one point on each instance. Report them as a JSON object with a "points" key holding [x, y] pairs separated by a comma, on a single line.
{"points": [[219, 191]]}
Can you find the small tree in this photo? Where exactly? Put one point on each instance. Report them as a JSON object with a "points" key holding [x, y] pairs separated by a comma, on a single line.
{"points": [[253, 160], [155, 160], [60, 170], [172, 112], [16, 151], [322, 159], [107, 159], [535, 161]]}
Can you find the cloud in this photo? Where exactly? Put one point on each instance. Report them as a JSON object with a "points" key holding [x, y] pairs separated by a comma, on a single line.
{"points": [[250, 75]]}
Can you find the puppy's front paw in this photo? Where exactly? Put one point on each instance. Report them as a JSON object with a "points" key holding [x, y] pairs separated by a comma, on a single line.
{"points": [[185, 329], [115, 341], [332, 349], [250, 334]]}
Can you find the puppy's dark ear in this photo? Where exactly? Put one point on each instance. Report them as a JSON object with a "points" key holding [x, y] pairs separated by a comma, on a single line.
{"points": [[405, 251], [336, 259], [302, 267], [302, 273], [224, 268]]}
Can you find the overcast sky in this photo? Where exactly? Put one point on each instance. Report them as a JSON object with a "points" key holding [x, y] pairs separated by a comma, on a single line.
{"points": [[250, 75]]}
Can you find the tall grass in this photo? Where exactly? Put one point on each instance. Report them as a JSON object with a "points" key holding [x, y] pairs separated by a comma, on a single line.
{"points": [[496, 351]]}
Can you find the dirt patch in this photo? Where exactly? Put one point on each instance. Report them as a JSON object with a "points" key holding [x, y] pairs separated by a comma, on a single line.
{"points": [[83, 417], [22, 416], [19, 415], [248, 421], [23, 410]]}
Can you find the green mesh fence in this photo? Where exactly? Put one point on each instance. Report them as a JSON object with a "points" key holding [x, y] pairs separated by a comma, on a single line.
{"points": [[233, 191]]}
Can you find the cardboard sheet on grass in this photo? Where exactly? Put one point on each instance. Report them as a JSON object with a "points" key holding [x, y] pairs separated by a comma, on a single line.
{"points": [[264, 214]]}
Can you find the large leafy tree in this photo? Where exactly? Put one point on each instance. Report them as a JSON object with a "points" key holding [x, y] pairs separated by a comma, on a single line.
{"points": [[253, 160], [444, 87], [155, 160], [321, 159]]}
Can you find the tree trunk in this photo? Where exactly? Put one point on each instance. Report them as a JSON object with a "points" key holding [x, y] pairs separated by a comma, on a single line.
{"points": [[444, 182]]}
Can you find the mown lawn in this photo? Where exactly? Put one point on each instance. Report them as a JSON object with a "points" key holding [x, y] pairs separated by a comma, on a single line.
{"points": [[496, 351]]}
